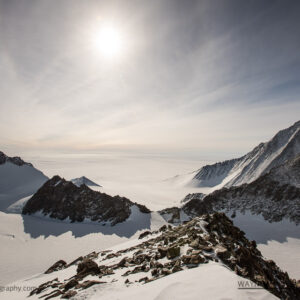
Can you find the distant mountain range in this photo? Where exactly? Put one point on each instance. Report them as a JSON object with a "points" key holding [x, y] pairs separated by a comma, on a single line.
{"points": [[283, 146], [265, 181]]}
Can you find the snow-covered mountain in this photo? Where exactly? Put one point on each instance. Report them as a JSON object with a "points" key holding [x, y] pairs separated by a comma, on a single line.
{"points": [[18, 179], [83, 180], [61, 199], [274, 195], [283, 146], [170, 263]]}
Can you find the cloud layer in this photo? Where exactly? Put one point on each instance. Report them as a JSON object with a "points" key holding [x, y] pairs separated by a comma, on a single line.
{"points": [[196, 76]]}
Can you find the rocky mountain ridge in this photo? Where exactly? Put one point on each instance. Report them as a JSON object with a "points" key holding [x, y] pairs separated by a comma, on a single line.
{"points": [[275, 195], [206, 239], [61, 199], [16, 160]]}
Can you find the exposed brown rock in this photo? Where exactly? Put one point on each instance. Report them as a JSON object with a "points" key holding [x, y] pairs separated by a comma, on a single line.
{"points": [[87, 267], [88, 283], [68, 294], [144, 234], [59, 265], [70, 284], [173, 252]]}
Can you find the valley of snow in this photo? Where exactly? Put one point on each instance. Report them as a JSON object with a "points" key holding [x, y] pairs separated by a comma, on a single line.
{"points": [[32, 244]]}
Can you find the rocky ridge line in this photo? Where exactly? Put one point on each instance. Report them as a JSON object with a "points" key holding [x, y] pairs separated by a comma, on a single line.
{"points": [[62, 199]]}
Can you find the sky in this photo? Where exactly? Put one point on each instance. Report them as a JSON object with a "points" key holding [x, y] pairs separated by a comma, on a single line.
{"points": [[192, 79]]}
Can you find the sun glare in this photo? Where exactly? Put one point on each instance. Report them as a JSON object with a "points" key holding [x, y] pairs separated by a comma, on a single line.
{"points": [[109, 42]]}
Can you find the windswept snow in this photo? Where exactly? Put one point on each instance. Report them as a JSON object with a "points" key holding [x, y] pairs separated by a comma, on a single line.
{"points": [[210, 281], [17, 207]]}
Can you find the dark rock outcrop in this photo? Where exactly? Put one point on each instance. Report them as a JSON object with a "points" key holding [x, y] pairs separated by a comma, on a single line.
{"points": [[61, 199], [59, 265], [270, 195], [87, 267], [14, 160], [275, 195]]}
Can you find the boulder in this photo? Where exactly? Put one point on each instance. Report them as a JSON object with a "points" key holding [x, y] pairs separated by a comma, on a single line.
{"points": [[70, 284], [87, 267], [59, 265], [144, 234], [173, 252], [162, 251], [68, 294]]}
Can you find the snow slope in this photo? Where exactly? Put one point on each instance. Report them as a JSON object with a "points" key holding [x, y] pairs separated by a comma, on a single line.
{"points": [[283, 146], [210, 281], [34, 236], [17, 182], [207, 281]]}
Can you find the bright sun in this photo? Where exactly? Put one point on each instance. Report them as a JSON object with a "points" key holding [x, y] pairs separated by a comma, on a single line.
{"points": [[109, 41]]}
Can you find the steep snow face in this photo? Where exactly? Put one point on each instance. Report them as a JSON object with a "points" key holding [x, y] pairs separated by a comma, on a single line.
{"points": [[18, 181], [284, 145], [83, 180]]}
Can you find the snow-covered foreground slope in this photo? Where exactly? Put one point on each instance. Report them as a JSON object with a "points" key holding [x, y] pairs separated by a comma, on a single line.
{"points": [[283, 146], [17, 182], [30, 244], [210, 281], [171, 263]]}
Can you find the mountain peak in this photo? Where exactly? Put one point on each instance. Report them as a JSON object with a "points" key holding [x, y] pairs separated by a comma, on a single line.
{"points": [[14, 160], [62, 199], [84, 180], [285, 145]]}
